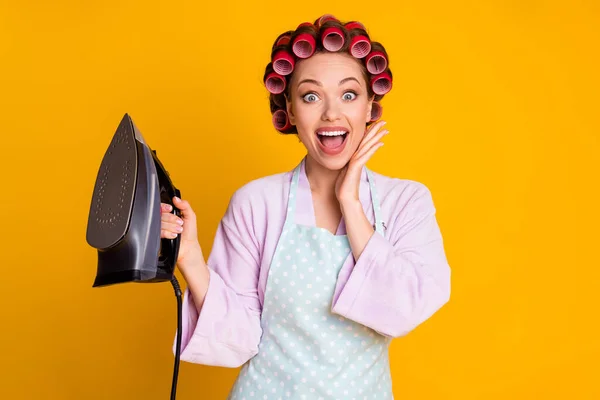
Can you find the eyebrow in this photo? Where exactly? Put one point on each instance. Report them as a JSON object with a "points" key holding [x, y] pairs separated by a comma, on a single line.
{"points": [[351, 78]]}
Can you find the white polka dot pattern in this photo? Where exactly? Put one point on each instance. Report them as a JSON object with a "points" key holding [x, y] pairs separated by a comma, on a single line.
{"points": [[306, 351]]}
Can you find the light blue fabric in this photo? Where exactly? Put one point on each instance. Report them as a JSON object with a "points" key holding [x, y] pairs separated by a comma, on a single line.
{"points": [[306, 352]]}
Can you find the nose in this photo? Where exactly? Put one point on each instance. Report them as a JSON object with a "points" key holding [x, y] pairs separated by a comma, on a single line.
{"points": [[331, 111]]}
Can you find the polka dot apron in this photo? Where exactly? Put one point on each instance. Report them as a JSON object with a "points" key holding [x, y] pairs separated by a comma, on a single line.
{"points": [[306, 352]]}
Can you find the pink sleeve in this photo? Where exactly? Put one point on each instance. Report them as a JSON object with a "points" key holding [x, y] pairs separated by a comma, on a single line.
{"points": [[227, 331], [398, 283]]}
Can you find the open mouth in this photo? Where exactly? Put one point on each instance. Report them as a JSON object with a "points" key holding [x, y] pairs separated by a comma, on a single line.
{"points": [[332, 141]]}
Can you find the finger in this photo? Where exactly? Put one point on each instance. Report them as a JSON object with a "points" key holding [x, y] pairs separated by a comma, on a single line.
{"points": [[371, 142], [171, 219], [165, 234], [165, 208], [373, 131], [188, 215], [172, 227], [365, 157], [377, 126], [184, 207]]}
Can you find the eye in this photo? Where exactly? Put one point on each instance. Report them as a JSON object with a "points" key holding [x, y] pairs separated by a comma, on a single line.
{"points": [[310, 97], [349, 96]]}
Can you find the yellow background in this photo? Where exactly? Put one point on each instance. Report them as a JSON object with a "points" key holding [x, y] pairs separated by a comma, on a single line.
{"points": [[494, 107]]}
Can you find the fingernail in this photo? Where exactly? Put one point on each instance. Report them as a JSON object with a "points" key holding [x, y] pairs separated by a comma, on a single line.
{"points": [[180, 221], [169, 207], [176, 198]]}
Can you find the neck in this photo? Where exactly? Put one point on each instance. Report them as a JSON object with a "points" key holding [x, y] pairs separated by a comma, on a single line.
{"points": [[322, 180]]}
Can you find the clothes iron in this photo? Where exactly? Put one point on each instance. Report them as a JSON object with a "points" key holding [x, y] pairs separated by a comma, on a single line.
{"points": [[124, 218], [124, 221]]}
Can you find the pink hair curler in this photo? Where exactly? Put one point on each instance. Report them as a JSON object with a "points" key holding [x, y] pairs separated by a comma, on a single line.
{"points": [[275, 83], [304, 45], [283, 63], [376, 62], [360, 46], [354, 25], [283, 40], [281, 120], [309, 24], [332, 38], [376, 111], [325, 18], [381, 83]]}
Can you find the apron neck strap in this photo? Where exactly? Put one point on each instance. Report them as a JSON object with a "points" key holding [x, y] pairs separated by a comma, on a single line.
{"points": [[291, 209], [375, 202]]}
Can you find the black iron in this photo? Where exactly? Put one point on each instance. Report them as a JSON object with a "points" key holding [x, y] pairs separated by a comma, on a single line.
{"points": [[124, 220]]}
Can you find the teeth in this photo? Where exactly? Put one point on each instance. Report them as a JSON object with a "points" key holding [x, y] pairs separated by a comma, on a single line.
{"points": [[332, 133]]}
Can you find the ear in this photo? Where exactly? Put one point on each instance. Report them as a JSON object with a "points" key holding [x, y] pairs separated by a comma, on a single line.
{"points": [[289, 108]]}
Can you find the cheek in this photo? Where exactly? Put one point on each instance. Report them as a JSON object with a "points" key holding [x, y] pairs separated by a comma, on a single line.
{"points": [[305, 118], [360, 107], [302, 136], [360, 115], [304, 132], [305, 111], [358, 139]]}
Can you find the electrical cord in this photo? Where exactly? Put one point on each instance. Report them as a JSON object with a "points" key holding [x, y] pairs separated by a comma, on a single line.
{"points": [[177, 289]]}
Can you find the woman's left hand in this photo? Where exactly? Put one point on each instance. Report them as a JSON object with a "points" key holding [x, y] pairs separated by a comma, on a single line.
{"points": [[346, 186]]}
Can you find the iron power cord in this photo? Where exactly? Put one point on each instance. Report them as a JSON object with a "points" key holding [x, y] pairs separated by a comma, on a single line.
{"points": [[177, 289]]}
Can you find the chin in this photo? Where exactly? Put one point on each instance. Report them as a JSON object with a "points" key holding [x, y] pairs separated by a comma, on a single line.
{"points": [[336, 163], [331, 162]]}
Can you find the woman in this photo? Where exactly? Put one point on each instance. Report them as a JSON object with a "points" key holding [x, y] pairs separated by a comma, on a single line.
{"points": [[314, 271]]}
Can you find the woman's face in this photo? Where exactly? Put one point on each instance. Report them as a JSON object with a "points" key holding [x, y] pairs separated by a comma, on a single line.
{"points": [[330, 107]]}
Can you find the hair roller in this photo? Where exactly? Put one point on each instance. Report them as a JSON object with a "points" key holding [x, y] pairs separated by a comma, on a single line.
{"points": [[275, 83], [333, 38], [325, 18], [382, 83], [283, 62], [281, 122], [303, 43], [305, 24], [360, 46], [376, 62], [376, 111], [304, 40], [283, 40], [354, 25]]}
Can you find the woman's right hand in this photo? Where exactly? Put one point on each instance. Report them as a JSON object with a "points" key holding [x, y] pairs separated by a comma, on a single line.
{"points": [[172, 225]]}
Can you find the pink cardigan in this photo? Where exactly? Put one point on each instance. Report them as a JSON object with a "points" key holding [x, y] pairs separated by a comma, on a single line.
{"points": [[400, 280]]}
